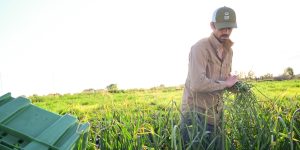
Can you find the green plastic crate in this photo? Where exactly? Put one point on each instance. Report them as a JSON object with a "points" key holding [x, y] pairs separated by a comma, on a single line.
{"points": [[24, 126]]}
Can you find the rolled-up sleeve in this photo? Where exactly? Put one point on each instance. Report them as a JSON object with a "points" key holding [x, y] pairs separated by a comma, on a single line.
{"points": [[199, 82]]}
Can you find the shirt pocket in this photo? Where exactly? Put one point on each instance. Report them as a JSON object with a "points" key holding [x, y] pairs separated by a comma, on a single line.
{"points": [[213, 69], [226, 69]]}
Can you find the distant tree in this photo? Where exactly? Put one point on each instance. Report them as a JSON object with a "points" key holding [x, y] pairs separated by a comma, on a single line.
{"points": [[288, 72], [267, 76], [89, 90], [162, 86], [112, 87], [251, 75], [241, 75]]}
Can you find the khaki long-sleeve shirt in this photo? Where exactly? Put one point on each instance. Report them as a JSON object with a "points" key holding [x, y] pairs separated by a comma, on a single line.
{"points": [[206, 71]]}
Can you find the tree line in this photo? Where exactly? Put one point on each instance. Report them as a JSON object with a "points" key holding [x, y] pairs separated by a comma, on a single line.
{"points": [[287, 74]]}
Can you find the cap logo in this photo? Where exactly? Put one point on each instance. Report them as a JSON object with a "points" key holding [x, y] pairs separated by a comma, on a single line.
{"points": [[226, 16]]}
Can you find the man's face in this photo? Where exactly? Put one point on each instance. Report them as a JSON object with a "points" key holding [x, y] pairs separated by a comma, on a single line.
{"points": [[221, 34]]}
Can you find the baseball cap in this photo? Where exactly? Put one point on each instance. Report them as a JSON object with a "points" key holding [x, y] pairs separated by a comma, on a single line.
{"points": [[224, 17]]}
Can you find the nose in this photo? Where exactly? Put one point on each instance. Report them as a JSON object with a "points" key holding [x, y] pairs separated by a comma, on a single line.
{"points": [[226, 30]]}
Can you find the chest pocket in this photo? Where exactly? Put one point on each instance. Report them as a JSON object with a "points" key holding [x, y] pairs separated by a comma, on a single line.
{"points": [[213, 69], [225, 71]]}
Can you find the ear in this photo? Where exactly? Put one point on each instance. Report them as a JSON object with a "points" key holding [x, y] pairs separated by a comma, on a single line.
{"points": [[212, 26]]}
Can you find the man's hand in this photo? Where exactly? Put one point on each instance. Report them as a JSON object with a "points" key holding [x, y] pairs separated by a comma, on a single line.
{"points": [[231, 80]]}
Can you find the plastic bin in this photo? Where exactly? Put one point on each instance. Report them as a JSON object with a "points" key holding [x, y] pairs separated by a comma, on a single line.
{"points": [[24, 126]]}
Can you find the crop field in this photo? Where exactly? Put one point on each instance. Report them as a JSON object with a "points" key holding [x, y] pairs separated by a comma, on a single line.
{"points": [[265, 117]]}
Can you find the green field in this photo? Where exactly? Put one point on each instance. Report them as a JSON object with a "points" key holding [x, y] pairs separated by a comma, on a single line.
{"points": [[149, 119]]}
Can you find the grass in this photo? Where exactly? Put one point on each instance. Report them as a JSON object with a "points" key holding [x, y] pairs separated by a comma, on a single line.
{"points": [[266, 118]]}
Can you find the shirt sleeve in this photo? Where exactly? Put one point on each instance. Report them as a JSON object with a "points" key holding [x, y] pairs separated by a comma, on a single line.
{"points": [[197, 71]]}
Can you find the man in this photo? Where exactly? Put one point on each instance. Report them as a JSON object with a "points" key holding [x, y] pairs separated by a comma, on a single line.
{"points": [[208, 75]]}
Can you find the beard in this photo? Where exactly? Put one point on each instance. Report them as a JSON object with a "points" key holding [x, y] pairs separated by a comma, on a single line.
{"points": [[227, 44]]}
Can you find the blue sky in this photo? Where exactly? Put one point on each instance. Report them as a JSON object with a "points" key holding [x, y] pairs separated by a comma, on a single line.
{"points": [[66, 46]]}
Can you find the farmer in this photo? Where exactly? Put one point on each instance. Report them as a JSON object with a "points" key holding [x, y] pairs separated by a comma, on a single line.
{"points": [[208, 75]]}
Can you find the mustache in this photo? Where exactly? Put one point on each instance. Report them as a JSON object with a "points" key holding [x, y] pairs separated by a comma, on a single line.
{"points": [[225, 35]]}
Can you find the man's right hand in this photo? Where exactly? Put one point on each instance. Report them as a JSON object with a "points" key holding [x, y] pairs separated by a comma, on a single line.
{"points": [[231, 80]]}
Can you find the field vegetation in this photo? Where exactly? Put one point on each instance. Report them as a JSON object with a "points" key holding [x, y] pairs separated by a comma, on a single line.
{"points": [[266, 116]]}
